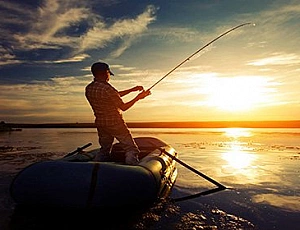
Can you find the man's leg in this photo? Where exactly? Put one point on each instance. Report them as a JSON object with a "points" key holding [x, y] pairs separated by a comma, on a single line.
{"points": [[105, 141], [122, 134]]}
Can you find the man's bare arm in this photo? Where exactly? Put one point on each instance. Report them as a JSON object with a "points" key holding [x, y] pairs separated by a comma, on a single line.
{"points": [[127, 91], [140, 96]]}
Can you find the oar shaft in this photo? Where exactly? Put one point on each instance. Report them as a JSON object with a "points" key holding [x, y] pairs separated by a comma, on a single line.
{"points": [[78, 149], [194, 170], [204, 193]]}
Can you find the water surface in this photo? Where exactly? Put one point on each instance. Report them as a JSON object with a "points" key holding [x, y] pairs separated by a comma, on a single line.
{"points": [[259, 166]]}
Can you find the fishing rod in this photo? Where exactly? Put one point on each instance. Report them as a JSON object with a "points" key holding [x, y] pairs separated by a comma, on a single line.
{"points": [[203, 47]]}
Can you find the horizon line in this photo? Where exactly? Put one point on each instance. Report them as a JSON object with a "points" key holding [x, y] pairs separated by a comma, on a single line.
{"points": [[170, 124]]}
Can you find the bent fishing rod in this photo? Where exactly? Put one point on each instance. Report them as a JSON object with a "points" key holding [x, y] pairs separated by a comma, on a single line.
{"points": [[202, 48]]}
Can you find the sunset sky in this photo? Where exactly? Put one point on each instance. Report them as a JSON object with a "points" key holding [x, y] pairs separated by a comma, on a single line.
{"points": [[48, 46]]}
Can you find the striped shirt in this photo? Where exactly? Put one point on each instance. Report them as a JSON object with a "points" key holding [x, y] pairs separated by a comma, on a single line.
{"points": [[105, 102]]}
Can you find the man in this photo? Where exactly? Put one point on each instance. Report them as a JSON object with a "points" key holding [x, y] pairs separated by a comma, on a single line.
{"points": [[107, 105]]}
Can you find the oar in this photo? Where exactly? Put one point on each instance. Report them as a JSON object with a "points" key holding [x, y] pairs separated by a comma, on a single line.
{"points": [[204, 193], [220, 186], [79, 149]]}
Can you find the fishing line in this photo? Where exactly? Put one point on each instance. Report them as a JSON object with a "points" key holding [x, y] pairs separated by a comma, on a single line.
{"points": [[203, 47]]}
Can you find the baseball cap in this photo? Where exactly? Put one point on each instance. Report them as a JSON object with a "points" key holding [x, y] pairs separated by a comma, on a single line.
{"points": [[100, 66]]}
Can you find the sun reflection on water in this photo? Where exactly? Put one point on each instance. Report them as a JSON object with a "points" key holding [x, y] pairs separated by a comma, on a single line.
{"points": [[237, 132], [237, 158], [237, 155]]}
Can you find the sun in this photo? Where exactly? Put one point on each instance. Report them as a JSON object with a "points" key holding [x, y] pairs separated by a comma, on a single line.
{"points": [[235, 93]]}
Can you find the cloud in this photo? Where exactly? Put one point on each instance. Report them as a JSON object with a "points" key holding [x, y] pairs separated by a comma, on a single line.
{"points": [[277, 59], [45, 100], [284, 12], [76, 58], [125, 45], [51, 19], [14, 14], [7, 56], [101, 34], [60, 24]]}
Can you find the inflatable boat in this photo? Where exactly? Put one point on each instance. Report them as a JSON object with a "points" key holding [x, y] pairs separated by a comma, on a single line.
{"points": [[76, 181]]}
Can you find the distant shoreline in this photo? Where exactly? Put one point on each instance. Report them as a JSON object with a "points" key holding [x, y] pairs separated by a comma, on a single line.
{"points": [[200, 124]]}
